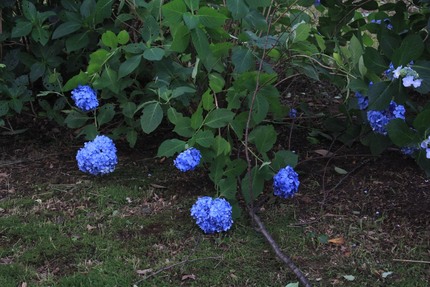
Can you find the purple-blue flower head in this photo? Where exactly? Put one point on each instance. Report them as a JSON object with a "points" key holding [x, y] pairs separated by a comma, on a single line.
{"points": [[212, 215], [363, 102], [377, 121], [97, 157], [426, 145], [85, 98], [188, 159], [293, 113], [286, 182], [408, 150]]}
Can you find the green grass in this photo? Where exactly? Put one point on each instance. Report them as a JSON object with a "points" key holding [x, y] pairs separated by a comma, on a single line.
{"points": [[120, 233]]}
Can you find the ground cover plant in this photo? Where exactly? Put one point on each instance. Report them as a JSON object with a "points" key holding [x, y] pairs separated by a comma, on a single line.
{"points": [[215, 79]]}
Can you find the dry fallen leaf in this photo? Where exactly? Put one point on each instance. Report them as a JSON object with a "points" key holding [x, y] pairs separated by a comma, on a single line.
{"points": [[144, 271], [190, 276], [323, 152], [337, 241], [90, 227], [23, 284]]}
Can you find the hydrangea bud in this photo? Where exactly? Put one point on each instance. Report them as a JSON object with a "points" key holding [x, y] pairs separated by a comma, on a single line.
{"points": [[85, 98], [188, 160], [286, 182]]}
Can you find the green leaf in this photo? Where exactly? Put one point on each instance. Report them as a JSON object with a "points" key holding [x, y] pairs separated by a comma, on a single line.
{"points": [[181, 38], [154, 54], [423, 69], [235, 168], [105, 114], [80, 79], [129, 66], [228, 188], [340, 170], [128, 109], [37, 70], [4, 108], [388, 42], [411, 49], [238, 8], [201, 44], [90, 132], [380, 94], [29, 11], [151, 117], [284, 158], [21, 29], [173, 116], [192, 4], [123, 37], [258, 3], [77, 42], [39, 34], [197, 118], [169, 147], [216, 82], [219, 118], [349, 277], [374, 61], [173, 11], [301, 32], [356, 49], [243, 59], [257, 185], [261, 107], [192, 21], [65, 29], [211, 18], [208, 101], [76, 119], [422, 122], [87, 8], [204, 138], [103, 10], [109, 39], [131, 137], [221, 146], [400, 133], [264, 137]]}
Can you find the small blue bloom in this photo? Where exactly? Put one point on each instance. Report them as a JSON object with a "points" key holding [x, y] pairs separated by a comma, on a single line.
{"points": [[409, 80], [363, 102], [293, 113], [188, 160], [317, 2], [377, 121], [426, 145], [212, 215], [286, 182], [396, 111], [389, 72], [85, 98], [98, 156], [376, 21], [408, 150]]}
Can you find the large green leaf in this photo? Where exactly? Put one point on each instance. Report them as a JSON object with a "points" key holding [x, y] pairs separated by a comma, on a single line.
{"points": [[76, 119], [219, 118], [66, 28], [129, 66], [154, 54], [170, 147], [228, 188], [380, 94], [29, 11], [243, 59], [221, 146], [284, 158], [181, 38], [173, 11], [109, 39], [103, 10], [422, 122], [77, 42], [21, 29], [201, 44], [204, 138], [211, 18], [105, 114], [151, 118], [238, 8], [264, 137], [374, 61], [411, 49], [80, 79], [423, 69], [400, 133]]}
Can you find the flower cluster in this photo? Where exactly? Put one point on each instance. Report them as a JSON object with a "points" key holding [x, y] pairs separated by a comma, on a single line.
{"points": [[212, 215], [378, 120], [188, 160], [286, 182], [409, 76], [363, 102], [85, 98], [387, 23], [426, 145], [293, 113], [98, 156], [408, 150]]}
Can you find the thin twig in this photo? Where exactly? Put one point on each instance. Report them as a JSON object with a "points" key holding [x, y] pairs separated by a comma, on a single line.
{"points": [[411, 261], [287, 260], [177, 264]]}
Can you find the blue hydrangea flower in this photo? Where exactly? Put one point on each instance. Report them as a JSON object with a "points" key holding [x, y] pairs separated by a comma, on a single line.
{"points": [[212, 215], [293, 113], [426, 145], [286, 182], [377, 121], [188, 160], [98, 156], [410, 81], [85, 98], [408, 150], [363, 102], [396, 111], [389, 72]]}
